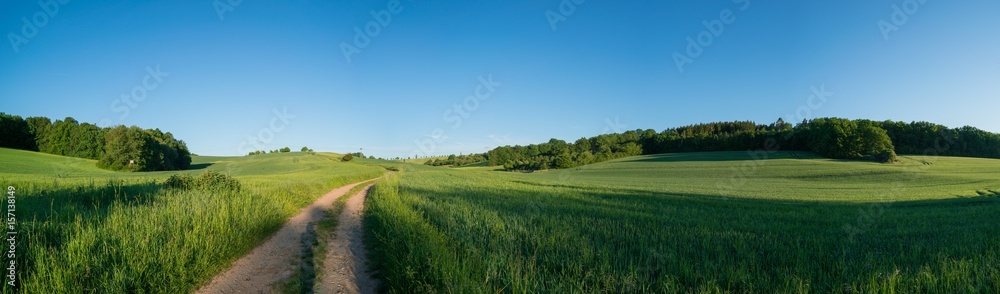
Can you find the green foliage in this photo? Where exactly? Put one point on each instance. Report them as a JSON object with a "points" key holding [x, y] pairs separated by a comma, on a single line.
{"points": [[137, 149], [15, 133], [846, 139], [71, 138], [116, 148], [459, 160], [347, 157], [830, 137], [209, 180], [286, 149], [214, 180], [180, 181], [304, 149], [256, 152]]}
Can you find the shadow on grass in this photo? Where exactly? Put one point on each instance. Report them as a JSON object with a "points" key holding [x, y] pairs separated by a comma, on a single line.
{"points": [[659, 232], [199, 166], [723, 156], [49, 209]]}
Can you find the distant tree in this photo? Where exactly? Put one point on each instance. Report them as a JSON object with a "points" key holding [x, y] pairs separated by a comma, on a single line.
{"points": [[39, 127], [874, 143], [136, 149], [564, 161], [347, 157], [129, 148], [846, 139], [15, 133], [284, 150], [304, 149], [126, 149]]}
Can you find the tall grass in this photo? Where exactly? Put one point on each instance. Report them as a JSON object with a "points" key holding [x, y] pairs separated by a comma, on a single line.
{"points": [[441, 230], [131, 235]]}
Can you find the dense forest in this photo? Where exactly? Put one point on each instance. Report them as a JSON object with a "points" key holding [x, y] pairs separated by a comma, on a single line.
{"points": [[115, 148], [829, 137]]}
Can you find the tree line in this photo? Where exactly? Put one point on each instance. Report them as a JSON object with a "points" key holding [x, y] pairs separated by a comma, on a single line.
{"points": [[115, 148], [837, 138], [459, 160], [280, 150]]}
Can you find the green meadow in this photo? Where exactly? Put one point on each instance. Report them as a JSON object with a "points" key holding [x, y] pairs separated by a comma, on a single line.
{"points": [[692, 222], [84, 229], [710, 222]]}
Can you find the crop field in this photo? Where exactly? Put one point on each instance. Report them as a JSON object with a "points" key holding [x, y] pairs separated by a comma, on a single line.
{"points": [[84, 229], [693, 222]]}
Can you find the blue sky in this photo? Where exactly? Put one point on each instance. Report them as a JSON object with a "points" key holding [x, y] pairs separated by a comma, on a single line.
{"points": [[274, 73]]}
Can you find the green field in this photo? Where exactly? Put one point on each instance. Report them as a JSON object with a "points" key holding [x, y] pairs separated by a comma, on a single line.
{"points": [[685, 222], [84, 229], [693, 222]]}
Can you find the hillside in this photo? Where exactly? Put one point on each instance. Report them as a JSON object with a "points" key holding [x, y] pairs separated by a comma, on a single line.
{"points": [[787, 175], [793, 222], [89, 228]]}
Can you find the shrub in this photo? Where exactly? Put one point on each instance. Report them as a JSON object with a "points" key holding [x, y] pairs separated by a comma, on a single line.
{"points": [[214, 179], [347, 157], [208, 180], [180, 181], [885, 156]]}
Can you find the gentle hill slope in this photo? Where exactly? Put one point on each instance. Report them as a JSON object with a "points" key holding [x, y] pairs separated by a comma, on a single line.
{"points": [[788, 175], [793, 223]]}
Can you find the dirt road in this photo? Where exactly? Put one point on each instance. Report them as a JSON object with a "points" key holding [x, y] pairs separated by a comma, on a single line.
{"points": [[279, 256], [345, 268]]}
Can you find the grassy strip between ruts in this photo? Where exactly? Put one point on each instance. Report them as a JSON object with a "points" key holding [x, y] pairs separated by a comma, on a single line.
{"points": [[314, 249]]}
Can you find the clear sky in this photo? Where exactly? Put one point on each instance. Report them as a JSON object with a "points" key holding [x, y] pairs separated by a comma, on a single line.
{"points": [[216, 73]]}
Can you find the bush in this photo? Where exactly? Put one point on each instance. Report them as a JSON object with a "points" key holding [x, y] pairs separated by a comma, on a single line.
{"points": [[886, 156], [845, 139], [208, 180], [180, 181], [214, 179], [347, 157]]}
